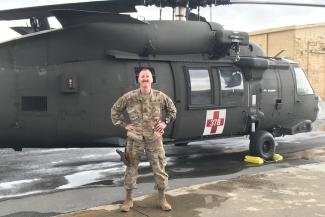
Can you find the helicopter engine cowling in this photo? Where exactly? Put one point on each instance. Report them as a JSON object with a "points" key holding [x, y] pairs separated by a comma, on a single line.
{"points": [[141, 39], [154, 38], [210, 38], [226, 40]]}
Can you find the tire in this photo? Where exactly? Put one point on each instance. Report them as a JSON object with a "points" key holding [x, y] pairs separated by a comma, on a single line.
{"points": [[262, 144], [181, 144]]}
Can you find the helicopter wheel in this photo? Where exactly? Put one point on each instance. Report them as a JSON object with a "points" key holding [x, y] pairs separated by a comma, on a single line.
{"points": [[262, 144], [181, 144]]}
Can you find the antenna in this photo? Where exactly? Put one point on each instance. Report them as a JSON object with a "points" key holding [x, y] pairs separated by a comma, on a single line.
{"points": [[278, 54], [198, 13], [211, 13], [180, 13], [160, 11]]}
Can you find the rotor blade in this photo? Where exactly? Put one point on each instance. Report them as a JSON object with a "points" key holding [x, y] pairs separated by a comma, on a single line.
{"points": [[203, 3], [277, 3], [74, 17], [113, 6]]}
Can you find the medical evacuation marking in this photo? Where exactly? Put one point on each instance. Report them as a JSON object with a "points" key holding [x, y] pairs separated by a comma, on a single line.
{"points": [[214, 122]]}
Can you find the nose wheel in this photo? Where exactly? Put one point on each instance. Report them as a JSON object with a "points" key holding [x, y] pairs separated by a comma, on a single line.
{"points": [[262, 144]]}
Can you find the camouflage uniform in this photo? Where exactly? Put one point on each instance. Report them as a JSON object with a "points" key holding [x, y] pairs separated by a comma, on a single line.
{"points": [[144, 112]]}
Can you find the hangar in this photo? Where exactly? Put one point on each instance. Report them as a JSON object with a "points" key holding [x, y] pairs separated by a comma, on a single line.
{"points": [[304, 44]]}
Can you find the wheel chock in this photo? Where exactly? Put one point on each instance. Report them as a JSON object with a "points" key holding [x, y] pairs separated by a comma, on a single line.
{"points": [[277, 157], [253, 159]]}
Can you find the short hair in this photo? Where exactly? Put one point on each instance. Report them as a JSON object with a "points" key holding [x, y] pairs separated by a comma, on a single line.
{"points": [[145, 68], [151, 70]]}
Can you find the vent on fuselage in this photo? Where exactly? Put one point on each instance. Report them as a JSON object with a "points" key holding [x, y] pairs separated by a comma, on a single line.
{"points": [[34, 103]]}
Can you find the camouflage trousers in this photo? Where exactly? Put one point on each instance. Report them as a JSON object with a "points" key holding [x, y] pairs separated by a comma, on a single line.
{"points": [[156, 156]]}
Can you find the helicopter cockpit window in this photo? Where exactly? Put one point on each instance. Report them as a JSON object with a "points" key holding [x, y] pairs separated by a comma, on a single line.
{"points": [[231, 79], [303, 85], [200, 86]]}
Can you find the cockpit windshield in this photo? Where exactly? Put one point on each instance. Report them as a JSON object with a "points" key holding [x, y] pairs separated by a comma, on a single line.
{"points": [[303, 85]]}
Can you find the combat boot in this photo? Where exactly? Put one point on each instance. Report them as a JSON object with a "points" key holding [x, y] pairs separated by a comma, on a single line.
{"points": [[163, 202], [128, 203]]}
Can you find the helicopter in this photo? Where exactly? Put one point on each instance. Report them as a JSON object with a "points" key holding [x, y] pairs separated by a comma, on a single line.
{"points": [[57, 85]]}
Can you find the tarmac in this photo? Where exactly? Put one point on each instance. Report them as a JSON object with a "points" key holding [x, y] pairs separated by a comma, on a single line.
{"points": [[294, 191]]}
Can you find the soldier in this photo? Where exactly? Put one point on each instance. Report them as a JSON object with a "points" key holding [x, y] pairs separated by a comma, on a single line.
{"points": [[144, 134]]}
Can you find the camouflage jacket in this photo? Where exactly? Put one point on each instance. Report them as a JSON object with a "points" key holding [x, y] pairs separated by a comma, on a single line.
{"points": [[144, 112]]}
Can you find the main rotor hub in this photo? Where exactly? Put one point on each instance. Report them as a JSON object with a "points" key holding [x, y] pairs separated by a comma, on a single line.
{"points": [[180, 13], [192, 4]]}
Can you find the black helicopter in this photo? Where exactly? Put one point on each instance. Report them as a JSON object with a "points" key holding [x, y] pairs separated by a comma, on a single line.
{"points": [[57, 85]]}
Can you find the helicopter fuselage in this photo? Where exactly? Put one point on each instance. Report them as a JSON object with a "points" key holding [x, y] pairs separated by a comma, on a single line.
{"points": [[57, 86]]}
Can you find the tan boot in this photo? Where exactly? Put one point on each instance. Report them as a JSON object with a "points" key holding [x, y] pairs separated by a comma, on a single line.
{"points": [[128, 203], [163, 202]]}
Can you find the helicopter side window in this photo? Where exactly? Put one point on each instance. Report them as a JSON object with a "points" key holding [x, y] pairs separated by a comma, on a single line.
{"points": [[231, 86], [231, 79], [200, 86], [303, 85]]}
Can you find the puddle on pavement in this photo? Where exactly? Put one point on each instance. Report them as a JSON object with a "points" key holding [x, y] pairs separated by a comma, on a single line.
{"points": [[205, 165], [249, 182], [183, 205], [312, 154], [182, 170], [188, 202], [194, 166], [34, 214], [108, 182]]}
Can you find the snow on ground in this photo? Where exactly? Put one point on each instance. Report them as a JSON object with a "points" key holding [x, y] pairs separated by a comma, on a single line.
{"points": [[42, 170]]}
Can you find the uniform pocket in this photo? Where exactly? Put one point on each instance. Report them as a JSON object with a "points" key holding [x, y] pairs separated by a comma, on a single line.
{"points": [[134, 113]]}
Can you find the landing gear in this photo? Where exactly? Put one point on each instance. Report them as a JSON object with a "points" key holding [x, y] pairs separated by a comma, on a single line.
{"points": [[262, 144]]}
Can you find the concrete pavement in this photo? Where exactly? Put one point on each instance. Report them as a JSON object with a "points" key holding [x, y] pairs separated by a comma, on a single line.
{"points": [[294, 191]]}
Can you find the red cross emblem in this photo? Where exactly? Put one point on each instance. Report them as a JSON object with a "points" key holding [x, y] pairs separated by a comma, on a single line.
{"points": [[215, 122]]}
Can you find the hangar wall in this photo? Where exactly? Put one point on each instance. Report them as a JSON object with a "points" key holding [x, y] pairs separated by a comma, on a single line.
{"points": [[304, 44]]}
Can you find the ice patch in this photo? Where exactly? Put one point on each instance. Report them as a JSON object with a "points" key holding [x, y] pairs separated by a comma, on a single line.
{"points": [[301, 136], [182, 170], [8, 185], [98, 156], [306, 194], [287, 192], [91, 156], [144, 164], [97, 166], [57, 162], [20, 195], [42, 151], [254, 209], [85, 177], [310, 201], [315, 167]]}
